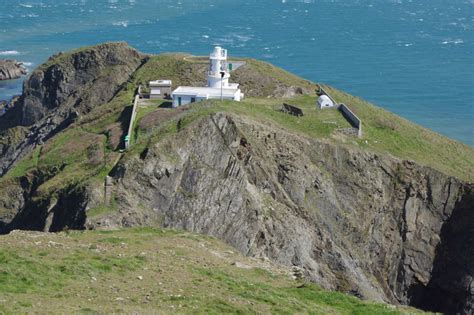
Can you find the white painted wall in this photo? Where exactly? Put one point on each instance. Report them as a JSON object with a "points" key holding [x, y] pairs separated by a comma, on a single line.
{"points": [[186, 99], [155, 92]]}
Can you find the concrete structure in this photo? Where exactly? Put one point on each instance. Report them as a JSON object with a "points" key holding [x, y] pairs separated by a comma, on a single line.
{"points": [[160, 89], [218, 86], [352, 118], [325, 101]]}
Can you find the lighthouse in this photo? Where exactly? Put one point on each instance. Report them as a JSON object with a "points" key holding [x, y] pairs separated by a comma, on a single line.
{"points": [[218, 86], [218, 75]]}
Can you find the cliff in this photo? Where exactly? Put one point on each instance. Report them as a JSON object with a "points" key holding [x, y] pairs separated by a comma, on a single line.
{"points": [[354, 221], [60, 91], [387, 217], [11, 69]]}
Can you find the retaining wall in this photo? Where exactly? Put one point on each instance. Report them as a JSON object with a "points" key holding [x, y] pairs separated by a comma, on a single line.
{"points": [[352, 118], [132, 120]]}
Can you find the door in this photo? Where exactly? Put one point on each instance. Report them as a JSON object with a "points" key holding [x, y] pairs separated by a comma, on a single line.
{"points": [[179, 101]]}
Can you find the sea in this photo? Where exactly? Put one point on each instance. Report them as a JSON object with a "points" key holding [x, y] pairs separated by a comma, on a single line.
{"points": [[412, 57]]}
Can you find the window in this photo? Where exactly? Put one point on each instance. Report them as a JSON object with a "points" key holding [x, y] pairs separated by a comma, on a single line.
{"points": [[193, 99]]}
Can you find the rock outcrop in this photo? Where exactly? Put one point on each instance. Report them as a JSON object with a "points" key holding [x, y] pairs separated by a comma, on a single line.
{"points": [[11, 69], [60, 91]]}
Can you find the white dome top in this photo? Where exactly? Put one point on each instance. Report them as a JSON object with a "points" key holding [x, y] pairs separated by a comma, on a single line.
{"points": [[324, 99]]}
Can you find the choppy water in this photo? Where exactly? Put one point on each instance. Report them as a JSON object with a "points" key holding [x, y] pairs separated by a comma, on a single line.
{"points": [[413, 57]]}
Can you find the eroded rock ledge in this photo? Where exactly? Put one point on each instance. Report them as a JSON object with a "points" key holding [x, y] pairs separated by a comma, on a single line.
{"points": [[11, 69]]}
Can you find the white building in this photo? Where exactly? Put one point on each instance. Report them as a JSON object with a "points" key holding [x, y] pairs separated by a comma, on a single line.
{"points": [[325, 102], [218, 86], [160, 88]]}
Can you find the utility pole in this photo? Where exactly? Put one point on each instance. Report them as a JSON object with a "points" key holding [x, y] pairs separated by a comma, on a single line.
{"points": [[222, 82]]}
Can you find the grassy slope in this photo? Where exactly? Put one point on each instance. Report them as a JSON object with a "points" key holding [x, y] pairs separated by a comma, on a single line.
{"points": [[386, 132], [145, 270]]}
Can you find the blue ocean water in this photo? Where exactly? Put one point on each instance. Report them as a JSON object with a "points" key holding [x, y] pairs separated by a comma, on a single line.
{"points": [[412, 57]]}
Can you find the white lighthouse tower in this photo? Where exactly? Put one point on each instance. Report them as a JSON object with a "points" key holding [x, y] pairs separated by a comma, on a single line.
{"points": [[218, 75], [218, 86]]}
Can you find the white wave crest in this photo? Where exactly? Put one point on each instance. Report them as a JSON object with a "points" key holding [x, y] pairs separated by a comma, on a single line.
{"points": [[121, 23], [9, 53], [453, 41]]}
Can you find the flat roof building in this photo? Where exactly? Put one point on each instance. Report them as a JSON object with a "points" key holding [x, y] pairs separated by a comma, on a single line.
{"points": [[189, 94], [160, 88]]}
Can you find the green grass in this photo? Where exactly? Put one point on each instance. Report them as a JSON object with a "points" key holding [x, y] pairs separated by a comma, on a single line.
{"points": [[26, 164], [386, 132], [170, 67], [291, 299], [149, 270], [319, 124], [279, 74]]}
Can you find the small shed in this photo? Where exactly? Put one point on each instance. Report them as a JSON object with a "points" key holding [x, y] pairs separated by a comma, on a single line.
{"points": [[160, 89], [325, 102]]}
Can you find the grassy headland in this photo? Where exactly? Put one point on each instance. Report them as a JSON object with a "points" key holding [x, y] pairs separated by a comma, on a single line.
{"points": [[148, 270]]}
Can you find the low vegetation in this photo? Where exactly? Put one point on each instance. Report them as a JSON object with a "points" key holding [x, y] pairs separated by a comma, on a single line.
{"points": [[383, 132], [145, 270]]}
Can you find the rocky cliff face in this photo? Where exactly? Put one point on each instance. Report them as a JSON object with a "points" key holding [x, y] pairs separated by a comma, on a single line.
{"points": [[358, 222], [371, 225], [56, 94], [11, 69]]}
